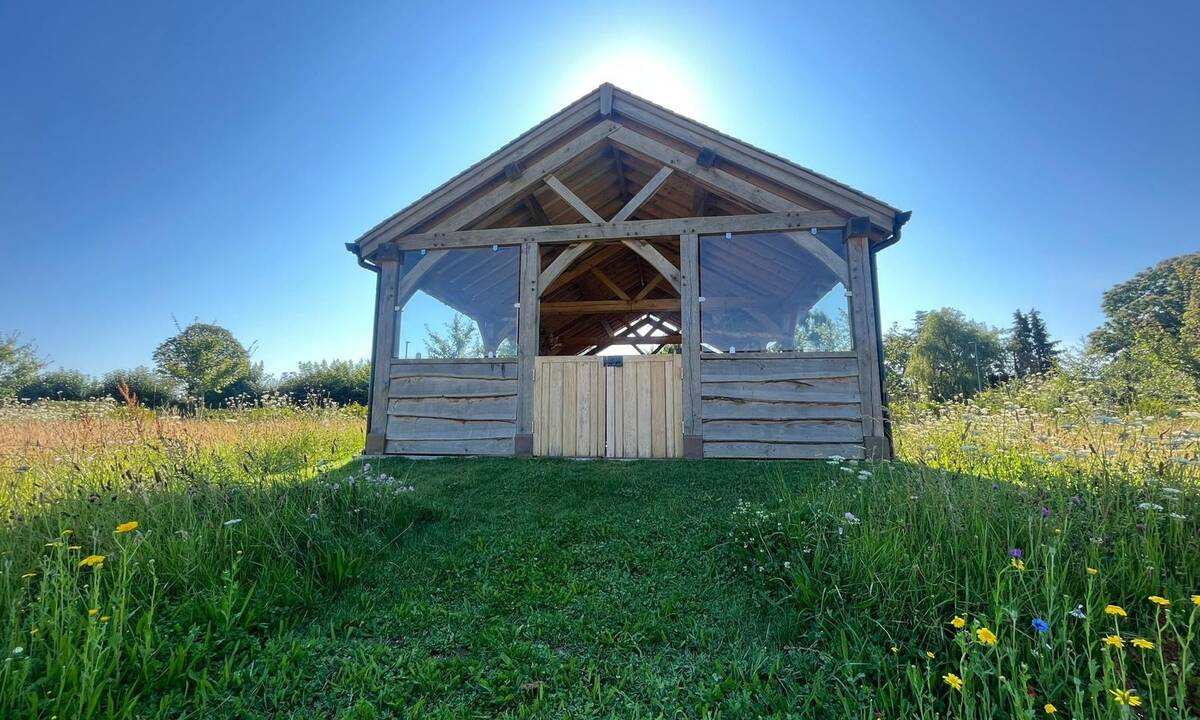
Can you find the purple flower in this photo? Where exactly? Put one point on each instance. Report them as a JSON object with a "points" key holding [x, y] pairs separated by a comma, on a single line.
{"points": [[1016, 553], [1041, 625], [1045, 512]]}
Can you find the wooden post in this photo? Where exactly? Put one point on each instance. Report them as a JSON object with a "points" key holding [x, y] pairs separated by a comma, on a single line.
{"points": [[527, 347], [866, 329], [386, 320], [689, 299]]}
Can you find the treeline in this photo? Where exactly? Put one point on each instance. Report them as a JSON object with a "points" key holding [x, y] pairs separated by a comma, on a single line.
{"points": [[1145, 357], [203, 365]]}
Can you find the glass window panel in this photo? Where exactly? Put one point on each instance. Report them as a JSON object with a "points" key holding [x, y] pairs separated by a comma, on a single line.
{"points": [[774, 292], [463, 305]]}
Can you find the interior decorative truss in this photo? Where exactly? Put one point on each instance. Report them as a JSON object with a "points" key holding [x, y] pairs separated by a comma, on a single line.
{"points": [[581, 184]]}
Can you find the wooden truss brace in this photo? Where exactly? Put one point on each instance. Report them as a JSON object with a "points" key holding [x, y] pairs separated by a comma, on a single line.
{"points": [[811, 244], [408, 282], [641, 247]]}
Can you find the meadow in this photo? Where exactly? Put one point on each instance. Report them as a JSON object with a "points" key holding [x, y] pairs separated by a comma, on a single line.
{"points": [[1020, 559]]}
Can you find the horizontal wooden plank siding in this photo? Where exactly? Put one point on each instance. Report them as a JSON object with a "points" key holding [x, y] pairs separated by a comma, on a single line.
{"points": [[785, 407], [448, 407]]}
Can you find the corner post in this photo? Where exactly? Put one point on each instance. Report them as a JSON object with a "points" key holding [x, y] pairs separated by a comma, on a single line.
{"points": [[386, 312], [866, 334], [527, 346], [689, 299]]}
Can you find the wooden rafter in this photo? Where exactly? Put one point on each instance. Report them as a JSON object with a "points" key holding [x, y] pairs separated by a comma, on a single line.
{"points": [[621, 294], [643, 195], [824, 253], [573, 200], [651, 254]]}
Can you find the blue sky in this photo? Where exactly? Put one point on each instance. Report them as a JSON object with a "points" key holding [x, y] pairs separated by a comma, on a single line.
{"points": [[210, 160]]}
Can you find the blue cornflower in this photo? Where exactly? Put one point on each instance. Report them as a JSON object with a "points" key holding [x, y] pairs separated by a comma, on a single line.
{"points": [[1017, 553], [1041, 625]]}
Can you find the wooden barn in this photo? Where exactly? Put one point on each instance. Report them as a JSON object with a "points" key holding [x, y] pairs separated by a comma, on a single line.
{"points": [[622, 281]]}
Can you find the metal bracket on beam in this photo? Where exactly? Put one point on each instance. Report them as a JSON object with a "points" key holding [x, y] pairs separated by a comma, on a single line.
{"points": [[512, 171], [707, 157]]}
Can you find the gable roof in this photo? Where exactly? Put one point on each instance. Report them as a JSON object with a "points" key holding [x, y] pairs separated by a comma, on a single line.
{"points": [[485, 191]]}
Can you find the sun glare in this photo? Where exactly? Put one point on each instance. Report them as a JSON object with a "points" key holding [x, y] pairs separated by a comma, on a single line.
{"points": [[654, 76]]}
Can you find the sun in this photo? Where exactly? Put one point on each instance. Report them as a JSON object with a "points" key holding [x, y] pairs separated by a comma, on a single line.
{"points": [[654, 75]]}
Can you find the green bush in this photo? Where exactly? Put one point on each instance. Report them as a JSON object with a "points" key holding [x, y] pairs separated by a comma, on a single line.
{"points": [[59, 385], [151, 388], [345, 382]]}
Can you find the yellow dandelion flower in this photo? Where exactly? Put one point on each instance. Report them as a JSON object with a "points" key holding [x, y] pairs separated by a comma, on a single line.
{"points": [[93, 612], [92, 561], [953, 681], [987, 637], [1125, 697], [1114, 641], [1093, 571], [1159, 600], [1143, 644], [929, 655], [959, 622], [1017, 563], [1114, 610], [104, 618], [1196, 600], [1049, 708], [126, 527]]}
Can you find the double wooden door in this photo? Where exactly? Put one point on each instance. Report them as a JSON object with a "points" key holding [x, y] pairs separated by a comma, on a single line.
{"points": [[629, 406]]}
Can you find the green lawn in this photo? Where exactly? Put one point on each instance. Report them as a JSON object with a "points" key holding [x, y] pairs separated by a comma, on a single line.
{"points": [[549, 589]]}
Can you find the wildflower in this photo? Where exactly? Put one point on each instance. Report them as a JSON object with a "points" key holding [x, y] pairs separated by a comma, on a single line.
{"points": [[1078, 612], [1143, 644], [93, 612], [1160, 601], [851, 519], [18, 650], [953, 681], [1125, 697], [1149, 506], [959, 622], [1041, 625], [929, 655], [126, 527], [987, 637], [105, 618], [1114, 641], [231, 523], [1045, 512], [1049, 708], [1176, 516], [93, 561], [1196, 600], [1114, 610], [1016, 553], [1093, 571], [1017, 563]]}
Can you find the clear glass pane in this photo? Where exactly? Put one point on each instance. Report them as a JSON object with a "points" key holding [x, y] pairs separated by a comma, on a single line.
{"points": [[463, 305], [774, 292]]}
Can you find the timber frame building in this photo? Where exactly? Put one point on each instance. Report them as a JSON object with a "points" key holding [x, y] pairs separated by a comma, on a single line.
{"points": [[744, 283]]}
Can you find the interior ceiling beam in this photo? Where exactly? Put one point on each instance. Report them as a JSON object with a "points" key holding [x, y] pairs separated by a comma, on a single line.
{"points": [[651, 255], [536, 211], [592, 307], [760, 222]]}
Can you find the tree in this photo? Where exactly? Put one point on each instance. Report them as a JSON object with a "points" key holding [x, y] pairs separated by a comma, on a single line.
{"points": [[151, 388], [818, 332], [952, 356], [1156, 311], [1043, 351], [459, 340], [205, 358], [59, 385], [19, 364], [1020, 345], [343, 381]]}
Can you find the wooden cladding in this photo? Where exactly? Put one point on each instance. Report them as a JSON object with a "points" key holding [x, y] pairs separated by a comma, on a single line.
{"points": [[786, 407], [466, 407], [583, 408]]}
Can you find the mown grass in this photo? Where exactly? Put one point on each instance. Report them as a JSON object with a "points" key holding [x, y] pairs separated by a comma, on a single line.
{"points": [[548, 588]]}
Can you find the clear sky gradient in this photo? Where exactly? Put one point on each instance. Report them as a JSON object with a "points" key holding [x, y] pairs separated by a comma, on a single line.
{"points": [[209, 160]]}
